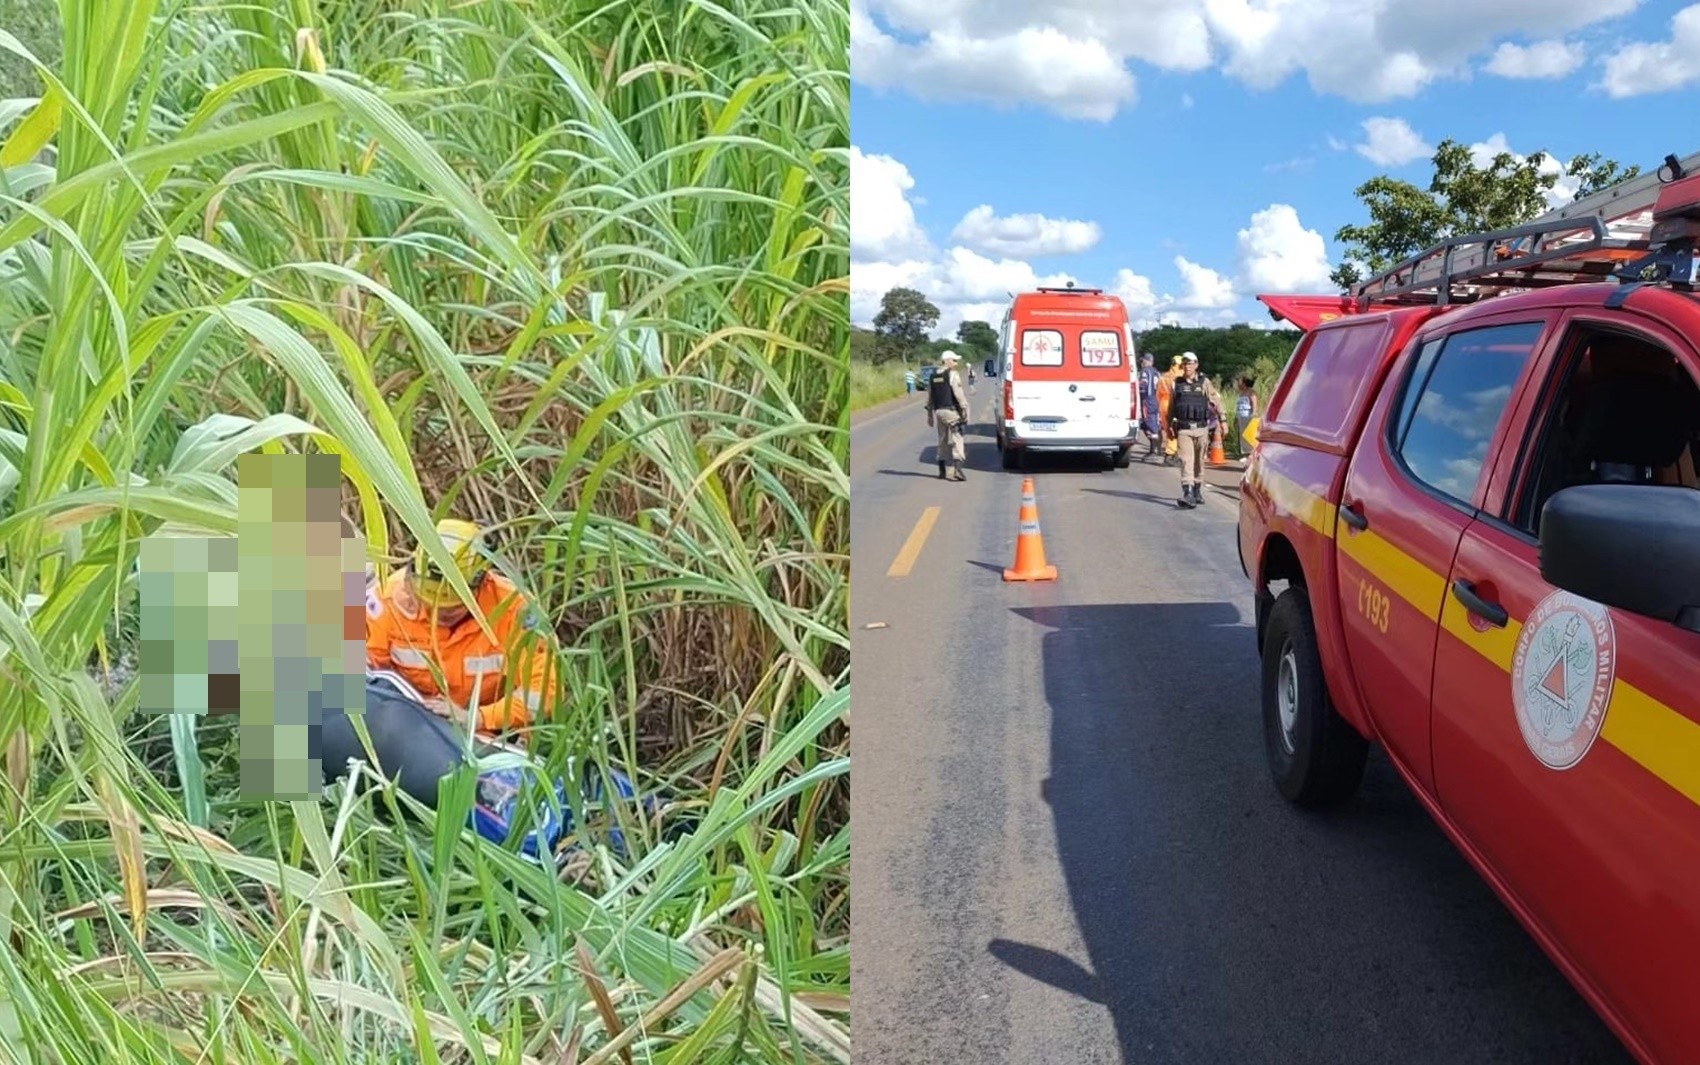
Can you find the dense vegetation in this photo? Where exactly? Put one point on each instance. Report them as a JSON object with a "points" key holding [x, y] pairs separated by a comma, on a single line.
{"points": [[575, 269], [1462, 196], [1224, 353]]}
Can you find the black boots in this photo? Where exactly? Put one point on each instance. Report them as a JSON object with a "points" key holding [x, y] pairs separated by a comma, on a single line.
{"points": [[941, 471], [1192, 495]]}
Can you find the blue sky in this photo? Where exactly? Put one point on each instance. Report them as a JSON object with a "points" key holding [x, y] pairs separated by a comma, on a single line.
{"points": [[1225, 133]]}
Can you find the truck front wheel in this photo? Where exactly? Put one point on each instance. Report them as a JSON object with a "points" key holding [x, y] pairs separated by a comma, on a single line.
{"points": [[1316, 757]]}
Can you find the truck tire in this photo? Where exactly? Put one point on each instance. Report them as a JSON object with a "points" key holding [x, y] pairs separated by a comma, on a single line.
{"points": [[1121, 458], [1316, 757], [1011, 458]]}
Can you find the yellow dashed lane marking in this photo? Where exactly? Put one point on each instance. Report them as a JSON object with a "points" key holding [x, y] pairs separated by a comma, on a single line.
{"points": [[905, 560]]}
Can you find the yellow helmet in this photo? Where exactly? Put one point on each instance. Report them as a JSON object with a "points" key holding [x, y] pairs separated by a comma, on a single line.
{"points": [[1175, 363], [465, 542]]}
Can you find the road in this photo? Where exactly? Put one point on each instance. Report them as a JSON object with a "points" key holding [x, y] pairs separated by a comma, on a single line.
{"points": [[1067, 846]]}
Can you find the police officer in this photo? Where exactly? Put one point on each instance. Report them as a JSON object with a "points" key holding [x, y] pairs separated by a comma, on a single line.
{"points": [[1190, 407], [947, 410]]}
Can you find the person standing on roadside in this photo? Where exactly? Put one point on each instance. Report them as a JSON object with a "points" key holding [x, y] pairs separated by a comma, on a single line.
{"points": [[1245, 409], [909, 381], [1189, 427], [947, 410], [1165, 390], [1150, 415]]}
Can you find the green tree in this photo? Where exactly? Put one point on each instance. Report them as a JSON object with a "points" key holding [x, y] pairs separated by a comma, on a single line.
{"points": [[979, 338], [1222, 353], [1461, 198], [903, 322]]}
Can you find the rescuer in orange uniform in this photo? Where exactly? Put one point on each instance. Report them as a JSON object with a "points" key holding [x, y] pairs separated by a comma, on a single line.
{"points": [[417, 625], [1166, 389]]}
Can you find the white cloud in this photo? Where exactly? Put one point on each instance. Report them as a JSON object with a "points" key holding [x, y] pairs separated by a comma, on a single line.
{"points": [[1071, 57], [1024, 234], [1392, 142], [1076, 77], [1205, 288], [882, 221], [1543, 59], [1656, 66], [1483, 153], [1278, 254], [1186, 101], [1337, 144]]}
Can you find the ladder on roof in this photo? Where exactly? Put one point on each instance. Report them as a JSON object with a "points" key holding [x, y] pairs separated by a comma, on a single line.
{"points": [[1587, 240]]}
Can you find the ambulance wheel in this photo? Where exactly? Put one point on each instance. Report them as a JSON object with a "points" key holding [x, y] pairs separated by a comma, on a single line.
{"points": [[1121, 458], [1011, 458], [1315, 755]]}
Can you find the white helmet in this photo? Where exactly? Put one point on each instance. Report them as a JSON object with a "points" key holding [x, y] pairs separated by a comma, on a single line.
{"points": [[1187, 356], [950, 356]]}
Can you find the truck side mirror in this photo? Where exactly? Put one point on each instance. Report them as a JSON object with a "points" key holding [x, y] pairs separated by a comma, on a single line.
{"points": [[1631, 546]]}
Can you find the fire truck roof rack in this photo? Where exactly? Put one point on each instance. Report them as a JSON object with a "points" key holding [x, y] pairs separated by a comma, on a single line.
{"points": [[1073, 290], [1610, 234]]}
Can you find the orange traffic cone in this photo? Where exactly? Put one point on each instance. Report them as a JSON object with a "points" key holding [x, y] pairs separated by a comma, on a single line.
{"points": [[1218, 457], [1029, 545]]}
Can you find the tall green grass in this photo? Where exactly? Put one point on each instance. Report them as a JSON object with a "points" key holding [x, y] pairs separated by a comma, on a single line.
{"points": [[576, 269], [873, 383]]}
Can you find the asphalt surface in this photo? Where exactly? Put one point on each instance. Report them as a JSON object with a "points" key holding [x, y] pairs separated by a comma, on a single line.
{"points": [[1068, 848]]}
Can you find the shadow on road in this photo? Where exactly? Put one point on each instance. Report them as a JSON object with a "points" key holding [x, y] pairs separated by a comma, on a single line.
{"points": [[1220, 924], [982, 456], [909, 473], [1143, 497]]}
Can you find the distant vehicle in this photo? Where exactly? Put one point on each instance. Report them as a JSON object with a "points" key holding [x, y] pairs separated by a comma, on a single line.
{"points": [[1472, 529], [1065, 356]]}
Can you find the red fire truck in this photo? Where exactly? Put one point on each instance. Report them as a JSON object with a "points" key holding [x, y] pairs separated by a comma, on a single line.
{"points": [[1472, 523]]}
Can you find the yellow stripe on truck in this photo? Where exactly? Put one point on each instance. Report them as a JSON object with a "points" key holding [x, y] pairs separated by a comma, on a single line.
{"points": [[1660, 740], [1298, 502], [1407, 578]]}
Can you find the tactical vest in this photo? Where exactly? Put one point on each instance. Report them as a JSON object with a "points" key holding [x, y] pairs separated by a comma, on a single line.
{"points": [[943, 397], [1189, 403]]}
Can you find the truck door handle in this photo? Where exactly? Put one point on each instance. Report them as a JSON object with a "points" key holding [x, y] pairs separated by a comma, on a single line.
{"points": [[1088, 399], [1492, 613], [1349, 513]]}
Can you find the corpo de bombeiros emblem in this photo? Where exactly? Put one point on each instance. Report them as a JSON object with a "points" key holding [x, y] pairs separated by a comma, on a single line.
{"points": [[1562, 676]]}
